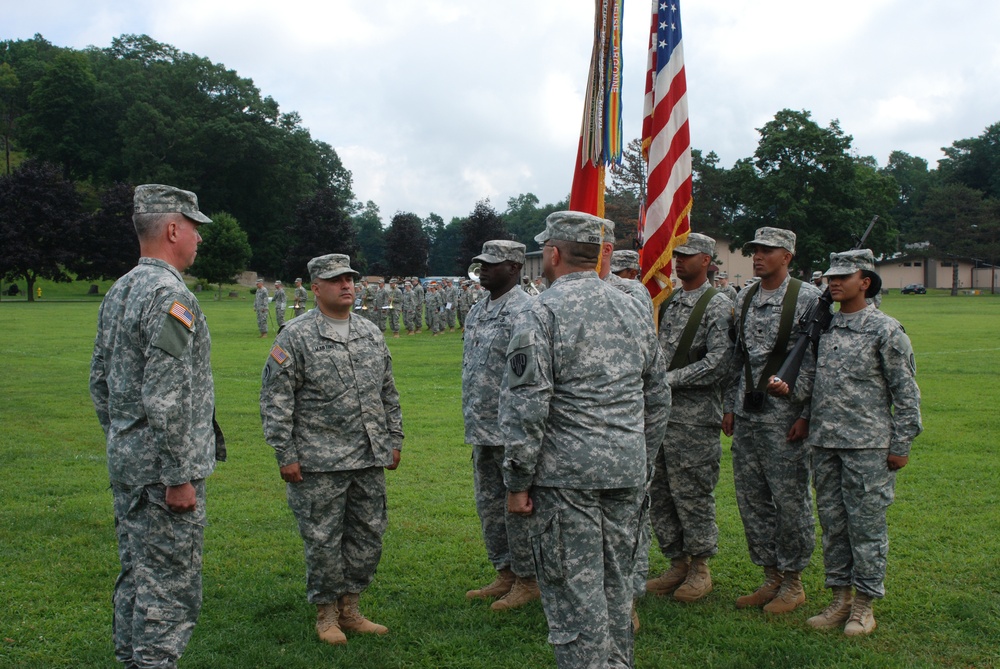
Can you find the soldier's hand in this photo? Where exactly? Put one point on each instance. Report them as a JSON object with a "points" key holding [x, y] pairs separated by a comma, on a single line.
{"points": [[728, 424], [396, 455], [181, 498], [897, 462], [291, 473], [799, 430], [520, 503], [777, 387]]}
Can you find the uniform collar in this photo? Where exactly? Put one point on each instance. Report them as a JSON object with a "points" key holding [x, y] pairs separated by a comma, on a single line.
{"points": [[163, 264]]}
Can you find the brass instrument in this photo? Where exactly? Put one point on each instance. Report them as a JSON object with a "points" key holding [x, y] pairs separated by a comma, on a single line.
{"points": [[474, 271]]}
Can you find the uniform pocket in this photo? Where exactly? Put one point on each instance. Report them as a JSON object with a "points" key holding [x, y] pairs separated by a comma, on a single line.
{"points": [[547, 549]]}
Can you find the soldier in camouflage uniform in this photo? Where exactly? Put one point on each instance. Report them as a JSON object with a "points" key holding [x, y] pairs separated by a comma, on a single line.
{"points": [[394, 302], [450, 299], [330, 410], [435, 308], [577, 460], [464, 303], [770, 462], [865, 415], [687, 466], [151, 383], [280, 299], [418, 290], [483, 362], [261, 308], [369, 302], [409, 308], [726, 289], [625, 264], [301, 298]]}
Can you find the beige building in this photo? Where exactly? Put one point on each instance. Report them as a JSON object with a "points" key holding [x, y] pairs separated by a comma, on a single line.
{"points": [[903, 270]]}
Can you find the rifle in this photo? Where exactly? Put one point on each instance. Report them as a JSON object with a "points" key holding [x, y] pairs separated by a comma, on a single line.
{"points": [[815, 322]]}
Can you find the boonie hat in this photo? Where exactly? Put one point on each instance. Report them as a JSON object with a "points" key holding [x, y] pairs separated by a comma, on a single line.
{"points": [[330, 266], [777, 238], [498, 250], [160, 199]]}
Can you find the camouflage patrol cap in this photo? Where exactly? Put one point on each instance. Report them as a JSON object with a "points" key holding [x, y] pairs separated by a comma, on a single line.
{"points": [[574, 226], [696, 243], [160, 199], [773, 237], [277, 282], [624, 260], [817, 275], [498, 250], [849, 262], [330, 266]]}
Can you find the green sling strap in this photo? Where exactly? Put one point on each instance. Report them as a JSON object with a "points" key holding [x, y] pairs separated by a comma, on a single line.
{"points": [[680, 358], [777, 355]]}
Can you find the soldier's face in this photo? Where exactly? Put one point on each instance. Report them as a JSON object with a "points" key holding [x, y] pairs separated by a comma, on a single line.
{"points": [[187, 239], [336, 293], [769, 260], [688, 266], [845, 288]]}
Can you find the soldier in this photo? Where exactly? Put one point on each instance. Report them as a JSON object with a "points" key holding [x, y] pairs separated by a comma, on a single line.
{"points": [[694, 334], [464, 304], [539, 284], [369, 293], [725, 288], [817, 279], [627, 286], [418, 291], [151, 383], [625, 264], [260, 307], [330, 410], [409, 308], [866, 416], [483, 362], [280, 300], [435, 308], [381, 305], [770, 465], [450, 297], [576, 459], [394, 304], [301, 298]]}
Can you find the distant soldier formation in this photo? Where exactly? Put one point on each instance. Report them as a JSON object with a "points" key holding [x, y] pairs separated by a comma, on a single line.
{"points": [[594, 421]]}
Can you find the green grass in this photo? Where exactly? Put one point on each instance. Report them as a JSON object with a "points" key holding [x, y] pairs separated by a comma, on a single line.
{"points": [[59, 562]]}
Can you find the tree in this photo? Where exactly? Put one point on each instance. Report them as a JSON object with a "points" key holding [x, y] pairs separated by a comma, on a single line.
{"points": [[482, 225], [39, 222], [224, 251], [444, 240], [974, 162], [913, 180], [371, 240], [953, 221], [9, 109], [321, 225], [525, 217], [107, 246], [406, 246]]}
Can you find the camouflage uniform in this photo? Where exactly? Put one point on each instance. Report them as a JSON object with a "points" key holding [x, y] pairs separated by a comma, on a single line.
{"points": [[261, 308], [867, 407], [435, 310], [581, 451], [369, 303], [331, 404], [301, 298], [770, 473], [409, 308], [151, 384], [279, 305], [393, 300], [484, 359], [418, 290], [687, 465], [464, 303], [450, 297]]}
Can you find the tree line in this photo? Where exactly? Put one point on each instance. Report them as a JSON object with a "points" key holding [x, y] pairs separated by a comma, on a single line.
{"points": [[81, 127]]}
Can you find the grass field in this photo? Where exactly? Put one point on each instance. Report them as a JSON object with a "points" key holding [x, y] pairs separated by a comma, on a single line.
{"points": [[59, 559]]}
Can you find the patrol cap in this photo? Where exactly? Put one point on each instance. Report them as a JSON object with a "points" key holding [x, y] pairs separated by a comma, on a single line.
{"points": [[298, 279], [849, 262], [774, 237], [574, 226], [330, 266], [722, 275], [696, 243], [277, 282], [817, 275], [498, 250], [624, 260], [160, 199]]}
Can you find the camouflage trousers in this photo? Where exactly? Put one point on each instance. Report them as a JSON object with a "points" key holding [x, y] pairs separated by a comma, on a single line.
{"points": [[341, 517], [262, 321], [449, 317], [279, 316], [157, 595], [772, 491], [644, 539], [584, 545], [682, 493], [505, 534], [854, 489], [435, 320], [380, 316], [299, 311], [394, 320]]}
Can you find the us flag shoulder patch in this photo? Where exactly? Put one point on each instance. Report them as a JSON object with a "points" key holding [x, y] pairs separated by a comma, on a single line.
{"points": [[279, 354], [183, 314]]}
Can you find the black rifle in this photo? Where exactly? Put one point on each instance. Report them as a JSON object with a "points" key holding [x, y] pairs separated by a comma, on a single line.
{"points": [[814, 323]]}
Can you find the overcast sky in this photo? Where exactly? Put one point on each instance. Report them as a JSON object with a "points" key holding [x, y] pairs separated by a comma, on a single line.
{"points": [[435, 104]]}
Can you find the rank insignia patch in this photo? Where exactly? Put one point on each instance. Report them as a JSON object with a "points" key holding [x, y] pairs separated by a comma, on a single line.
{"points": [[183, 314]]}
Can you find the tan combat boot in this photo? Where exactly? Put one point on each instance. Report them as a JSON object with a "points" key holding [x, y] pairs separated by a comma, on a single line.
{"points": [[790, 594], [667, 582], [525, 590], [698, 582], [837, 613], [862, 620], [328, 624], [767, 591], [352, 620], [500, 586]]}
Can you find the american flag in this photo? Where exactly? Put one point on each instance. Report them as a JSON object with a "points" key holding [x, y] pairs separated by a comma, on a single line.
{"points": [[182, 313], [666, 141], [279, 354]]}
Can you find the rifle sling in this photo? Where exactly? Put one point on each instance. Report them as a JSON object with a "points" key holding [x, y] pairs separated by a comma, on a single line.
{"points": [[680, 358], [777, 355]]}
